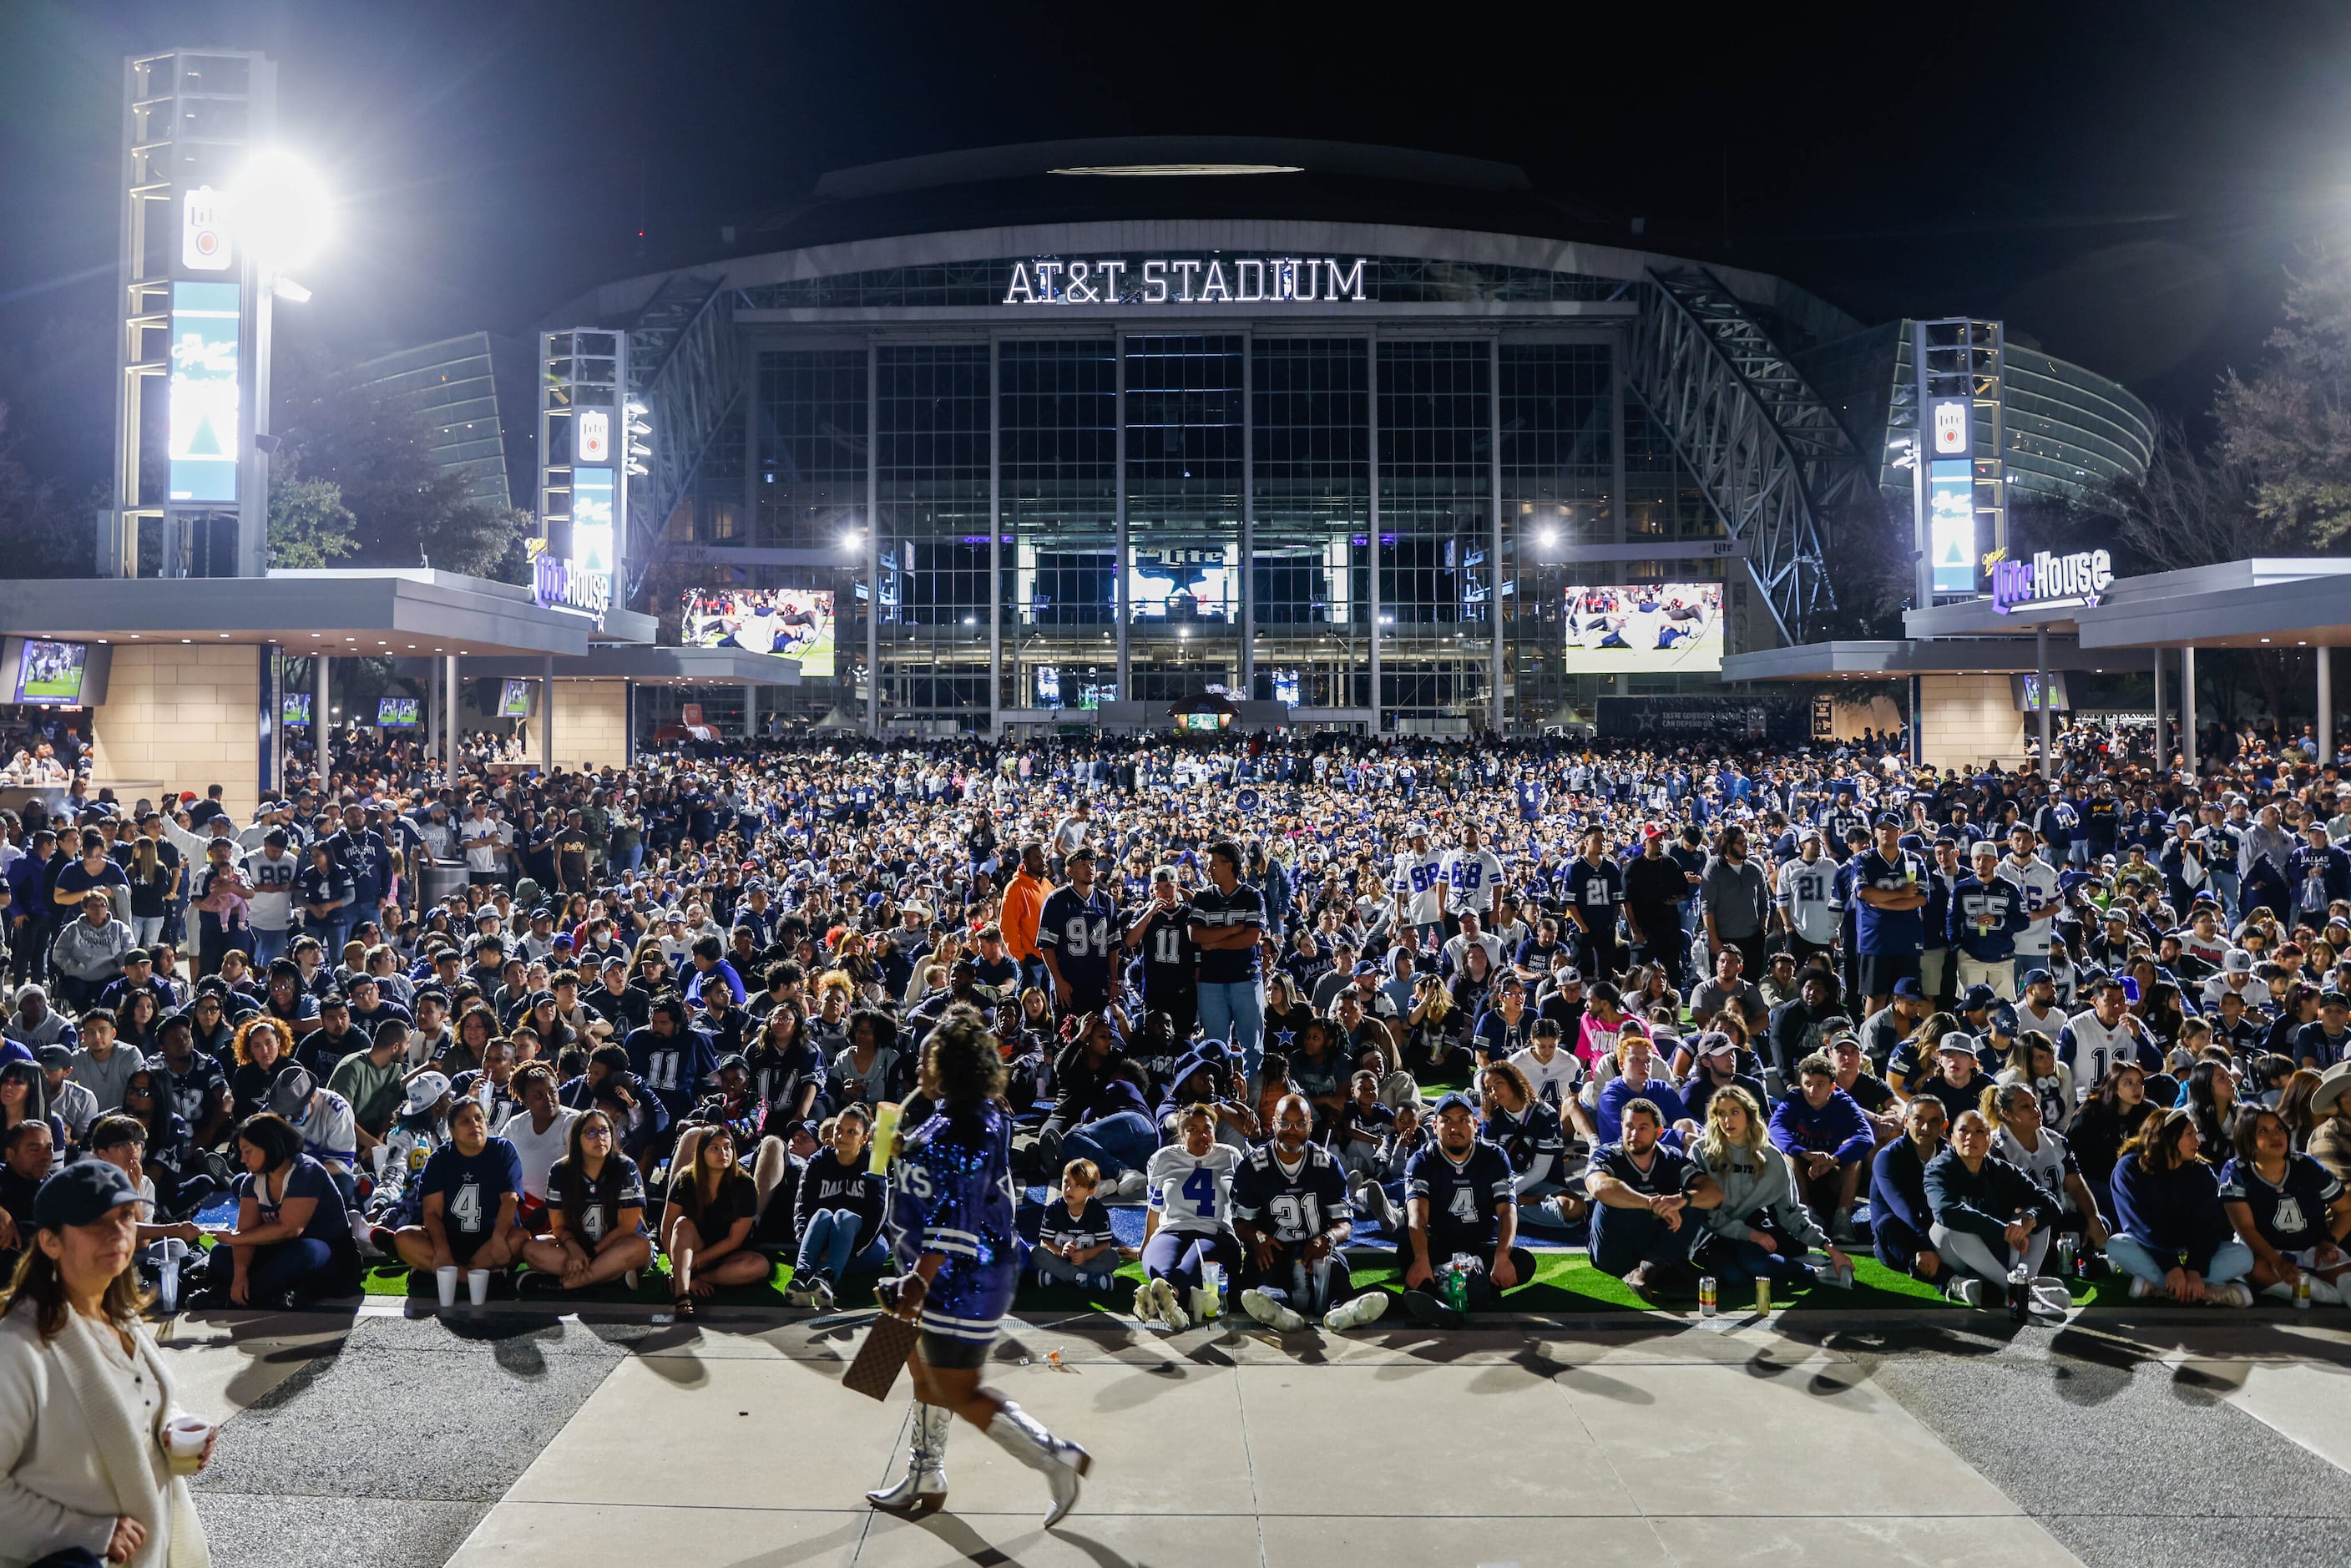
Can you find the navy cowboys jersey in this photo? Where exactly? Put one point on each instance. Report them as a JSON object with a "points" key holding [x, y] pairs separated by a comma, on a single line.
{"points": [[1523, 1136], [1171, 965], [1081, 934], [1463, 1199], [1293, 1207]]}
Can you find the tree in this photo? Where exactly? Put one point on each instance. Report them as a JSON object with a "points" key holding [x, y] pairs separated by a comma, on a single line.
{"points": [[2289, 427], [309, 527], [42, 534], [2190, 509]]}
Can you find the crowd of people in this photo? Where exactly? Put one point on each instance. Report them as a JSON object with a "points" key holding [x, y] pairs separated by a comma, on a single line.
{"points": [[1742, 1015]]}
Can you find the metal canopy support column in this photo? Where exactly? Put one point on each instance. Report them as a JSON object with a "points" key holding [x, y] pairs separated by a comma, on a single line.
{"points": [[449, 719], [750, 712], [2188, 704], [322, 718], [2159, 751], [2041, 695], [547, 716], [2325, 705], [1372, 538], [1494, 541], [1118, 577], [994, 539], [872, 539]]}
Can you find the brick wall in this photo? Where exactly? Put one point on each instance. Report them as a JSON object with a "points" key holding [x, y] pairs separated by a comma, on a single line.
{"points": [[1968, 719], [182, 716]]}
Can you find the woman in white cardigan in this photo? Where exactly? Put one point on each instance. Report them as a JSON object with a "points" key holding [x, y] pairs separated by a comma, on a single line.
{"points": [[84, 1397]]}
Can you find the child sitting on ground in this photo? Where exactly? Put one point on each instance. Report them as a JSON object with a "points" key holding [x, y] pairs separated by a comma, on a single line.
{"points": [[1075, 1244]]}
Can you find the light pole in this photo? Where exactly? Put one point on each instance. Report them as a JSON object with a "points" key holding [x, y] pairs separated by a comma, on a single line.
{"points": [[279, 211]]}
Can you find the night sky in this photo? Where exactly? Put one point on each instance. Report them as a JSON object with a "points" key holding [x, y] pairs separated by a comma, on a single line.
{"points": [[2126, 183]]}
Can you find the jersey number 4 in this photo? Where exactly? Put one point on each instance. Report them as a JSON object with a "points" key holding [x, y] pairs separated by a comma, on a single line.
{"points": [[1200, 1190]]}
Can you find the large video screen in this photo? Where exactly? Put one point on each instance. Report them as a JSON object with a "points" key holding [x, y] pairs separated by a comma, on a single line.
{"points": [[514, 699], [396, 712], [294, 707], [1182, 585], [203, 443], [51, 672], [1646, 628], [789, 622]]}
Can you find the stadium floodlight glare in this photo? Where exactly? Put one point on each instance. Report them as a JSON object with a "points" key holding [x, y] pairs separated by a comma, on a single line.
{"points": [[282, 211], [1547, 537]]}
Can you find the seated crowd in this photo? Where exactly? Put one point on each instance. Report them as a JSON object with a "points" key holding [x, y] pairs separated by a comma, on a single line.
{"points": [[661, 1024]]}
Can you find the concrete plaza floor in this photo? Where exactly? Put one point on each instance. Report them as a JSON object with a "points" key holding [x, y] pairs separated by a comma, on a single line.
{"points": [[1821, 1438]]}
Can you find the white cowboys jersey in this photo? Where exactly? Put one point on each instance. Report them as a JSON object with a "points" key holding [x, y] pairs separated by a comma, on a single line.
{"points": [[1807, 897], [1194, 1193], [2036, 879], [1418, 879]]}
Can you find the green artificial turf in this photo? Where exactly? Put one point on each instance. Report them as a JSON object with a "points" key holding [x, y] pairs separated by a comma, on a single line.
{"points": [[1566, 1284]]}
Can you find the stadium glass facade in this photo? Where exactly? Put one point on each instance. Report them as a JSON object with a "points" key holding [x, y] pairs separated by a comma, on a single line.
{"points": [[1114, 463]]}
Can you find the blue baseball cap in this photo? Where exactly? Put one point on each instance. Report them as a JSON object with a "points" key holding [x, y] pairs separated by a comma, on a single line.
{"points": [[1451, 1100]]}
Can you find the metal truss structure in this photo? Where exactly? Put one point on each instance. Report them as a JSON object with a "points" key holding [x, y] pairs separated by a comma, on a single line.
{"points": [[1768, 454], [685, 366]]}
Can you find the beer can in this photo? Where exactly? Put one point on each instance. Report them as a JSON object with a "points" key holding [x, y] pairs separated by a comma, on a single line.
{"points": [[1706, 1297], [2302, 1293], [1762, 1297]]}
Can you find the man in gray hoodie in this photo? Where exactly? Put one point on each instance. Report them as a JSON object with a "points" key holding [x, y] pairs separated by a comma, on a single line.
{"points": [[87, 954]]}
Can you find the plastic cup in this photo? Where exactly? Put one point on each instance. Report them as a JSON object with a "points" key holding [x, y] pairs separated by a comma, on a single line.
{"points": [[477, 1285], [184, 1437], [886, 1137], [445, 1280]]}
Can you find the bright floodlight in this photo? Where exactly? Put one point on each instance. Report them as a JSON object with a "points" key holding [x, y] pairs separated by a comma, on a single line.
{"points": [[1547, 537], [283, 212]]}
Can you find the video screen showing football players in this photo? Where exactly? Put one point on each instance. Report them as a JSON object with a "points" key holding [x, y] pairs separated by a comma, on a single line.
{"points": [[789, 622], [1652, 628]]}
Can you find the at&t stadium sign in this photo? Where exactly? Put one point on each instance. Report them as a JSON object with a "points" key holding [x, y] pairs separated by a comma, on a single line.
{"points": [[2050, 581], [1187, 280]]}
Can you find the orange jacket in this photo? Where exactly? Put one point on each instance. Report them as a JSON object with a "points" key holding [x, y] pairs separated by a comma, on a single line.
{"points": [[1024, 902]]}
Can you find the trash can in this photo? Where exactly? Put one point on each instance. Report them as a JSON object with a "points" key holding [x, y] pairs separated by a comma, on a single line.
{"points": [[443, 878]]}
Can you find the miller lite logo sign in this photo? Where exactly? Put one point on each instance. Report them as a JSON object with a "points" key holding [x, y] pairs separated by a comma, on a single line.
{"points": [[593, 439], [203, 230], [1950, 424]]}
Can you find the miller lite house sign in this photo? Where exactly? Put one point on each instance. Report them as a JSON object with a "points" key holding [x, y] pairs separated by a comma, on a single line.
{"points": [[1186, 280], [560, 584], [2050, 581]]}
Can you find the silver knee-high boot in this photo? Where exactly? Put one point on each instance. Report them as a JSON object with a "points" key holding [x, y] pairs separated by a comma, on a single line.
{"points": [[923, 1488], [1060, 1461]]}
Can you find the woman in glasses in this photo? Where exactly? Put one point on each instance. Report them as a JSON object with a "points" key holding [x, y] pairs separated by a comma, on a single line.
{"points": [[596, 1213]]}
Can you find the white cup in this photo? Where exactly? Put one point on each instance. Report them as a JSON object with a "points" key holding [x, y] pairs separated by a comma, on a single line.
{"points": [[447, 1280], [477, 1285], [184, 1437]]}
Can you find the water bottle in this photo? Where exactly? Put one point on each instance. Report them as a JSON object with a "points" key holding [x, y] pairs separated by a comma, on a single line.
{"points": [[2019, 1293], [1706, 1297], [2065, 1254], [1212, 1275]]}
